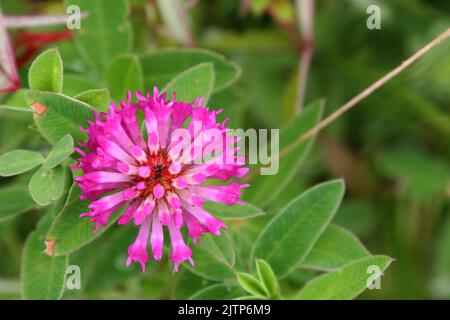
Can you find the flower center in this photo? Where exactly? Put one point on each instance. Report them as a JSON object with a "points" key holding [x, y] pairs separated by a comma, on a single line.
{"points": [[157, 169]]}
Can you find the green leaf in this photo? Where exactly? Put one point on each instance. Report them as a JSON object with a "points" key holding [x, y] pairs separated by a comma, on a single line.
{"points": [[57, 115], [60, 152], [250, 284], [192, 83], [69, 232], [345, 283], [96, 98], [46, 72], [225, 212], [14, 200], [47, 185], [263, 191], [217, 292], [43, 277], [104, 33], [124, 73], [19, 161], [75, 84], [214, 258], [267, 278], [290, 235], [163, 65], [335, 248], [220, 247]]}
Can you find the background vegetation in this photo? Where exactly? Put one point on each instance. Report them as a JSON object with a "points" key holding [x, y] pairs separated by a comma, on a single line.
{"points": [[392, 150]]}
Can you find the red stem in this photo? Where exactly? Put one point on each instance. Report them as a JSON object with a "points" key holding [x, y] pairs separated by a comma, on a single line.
{"points": [[31, 43]]}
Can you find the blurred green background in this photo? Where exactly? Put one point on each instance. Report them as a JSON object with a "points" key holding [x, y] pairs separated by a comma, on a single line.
{"points": [[393, 149]]}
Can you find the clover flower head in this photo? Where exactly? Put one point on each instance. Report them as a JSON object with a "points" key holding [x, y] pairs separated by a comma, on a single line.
{"points": [[157, 172]]}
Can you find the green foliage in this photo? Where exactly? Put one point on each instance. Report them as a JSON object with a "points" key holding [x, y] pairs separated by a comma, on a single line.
{"points": [[259, 6], [63, 115], [192, 83], [46, 72], [19, 161], [124, 73], [47, 185], [162, 66], [267, 278], [297, 227], [75, 84], [423, 177], [15, 200], [221, 248], [226, 212], [43, 276], [290, 240], [60, 152], [335, 248], [290, 163], [440, 284], [252, 285], [215, 258], [264, 287], [96, 98], [68, 231], [344, 283], [105, 32]]}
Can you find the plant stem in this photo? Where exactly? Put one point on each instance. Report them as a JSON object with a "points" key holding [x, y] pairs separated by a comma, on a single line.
{"points": [[36, 20], [305, 18], [368, 91], [4, 107], [364, 94]]}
